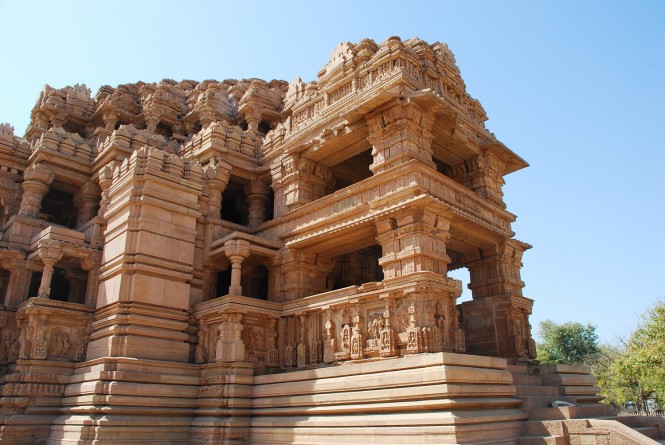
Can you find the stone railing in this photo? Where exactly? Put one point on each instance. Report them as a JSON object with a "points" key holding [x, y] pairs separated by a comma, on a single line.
{"points": [[395, 317], [53, 330]]}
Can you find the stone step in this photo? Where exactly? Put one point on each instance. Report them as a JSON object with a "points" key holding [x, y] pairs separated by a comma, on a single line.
{"points": [[524, 369], [536, 390], [542, 428], [524, 379], [541, 440], [570, 412]]}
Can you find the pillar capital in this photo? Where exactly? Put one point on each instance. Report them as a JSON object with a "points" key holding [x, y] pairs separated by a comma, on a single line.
{"points": [[498, 272], [414, 241], [35, 185], [217, 175], [299, 180], [398, 133], [39, 173], [50, 254], [236, 250], [257, 193]]}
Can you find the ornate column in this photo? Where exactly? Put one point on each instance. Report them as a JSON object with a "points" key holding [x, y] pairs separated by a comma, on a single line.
{"points": [[87, 203], [110, 118], [91, 265], [298, 181], [230, 347], [496, 321], [105, 177], [236, 251], [414, 241], [330, 342], [35, 185], [498, 273], [17, 288], [50, 255], [257, 193], [299, 271], [273, 264], [483, 174], [399, 133], [301, 348], [217, 176]]}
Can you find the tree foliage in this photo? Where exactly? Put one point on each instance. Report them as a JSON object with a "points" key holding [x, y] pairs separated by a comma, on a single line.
{"points": [[568, 343], [640, 370], [631, 370]]}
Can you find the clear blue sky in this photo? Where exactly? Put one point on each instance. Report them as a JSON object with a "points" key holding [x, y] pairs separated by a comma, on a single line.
{"points": [[576, 88]]}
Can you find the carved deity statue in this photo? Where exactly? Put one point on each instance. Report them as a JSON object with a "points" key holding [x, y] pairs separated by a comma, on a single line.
{"points": [[60, 344]]}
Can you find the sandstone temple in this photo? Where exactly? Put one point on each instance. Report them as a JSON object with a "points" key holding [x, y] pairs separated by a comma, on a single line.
{"points": [[253, 262]]}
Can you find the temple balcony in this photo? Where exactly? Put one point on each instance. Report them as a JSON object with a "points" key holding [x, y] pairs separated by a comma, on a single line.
{"points": [[347, 217]]}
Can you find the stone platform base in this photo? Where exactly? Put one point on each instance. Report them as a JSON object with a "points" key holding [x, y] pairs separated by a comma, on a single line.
{"points": [[428, 398]]}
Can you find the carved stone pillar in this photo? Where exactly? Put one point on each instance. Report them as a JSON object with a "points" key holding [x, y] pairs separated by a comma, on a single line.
{"points": [[387, 336], [257, 201], [282, 340], [230, 347], [236, 251], [299, 271], [298, 181], [498, 273], [35, 186], [330, 343], [151, 121], [400, 133], [357, 339], [19, 276], [496, 321], [414, 334], [483, 174], [272, 353], [201, 350], [217, 175], [87, 202], [41, 339], [110, 118], [414, 241], [92, 266], [105, 180], [301, 348], [492, 180], [273, 264], [49, 255]]}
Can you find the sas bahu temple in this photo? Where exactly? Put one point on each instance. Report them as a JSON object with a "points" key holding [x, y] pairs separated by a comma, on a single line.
{"points": [[253, 262]]}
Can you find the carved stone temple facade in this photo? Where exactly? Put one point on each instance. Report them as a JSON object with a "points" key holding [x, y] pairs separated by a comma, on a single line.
{"points": [[266, 262]]}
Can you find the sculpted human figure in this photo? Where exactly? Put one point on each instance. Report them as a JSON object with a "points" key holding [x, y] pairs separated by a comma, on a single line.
{"points": [[61, 344], [40, 348], [519, 336]]}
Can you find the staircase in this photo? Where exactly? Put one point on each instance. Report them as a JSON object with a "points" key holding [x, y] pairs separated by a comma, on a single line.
{"points": [[587, 422]]}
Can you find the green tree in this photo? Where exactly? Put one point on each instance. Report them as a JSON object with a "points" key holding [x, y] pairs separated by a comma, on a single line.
{"points": [[568, 343], [613, 385], [641, 369]]}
